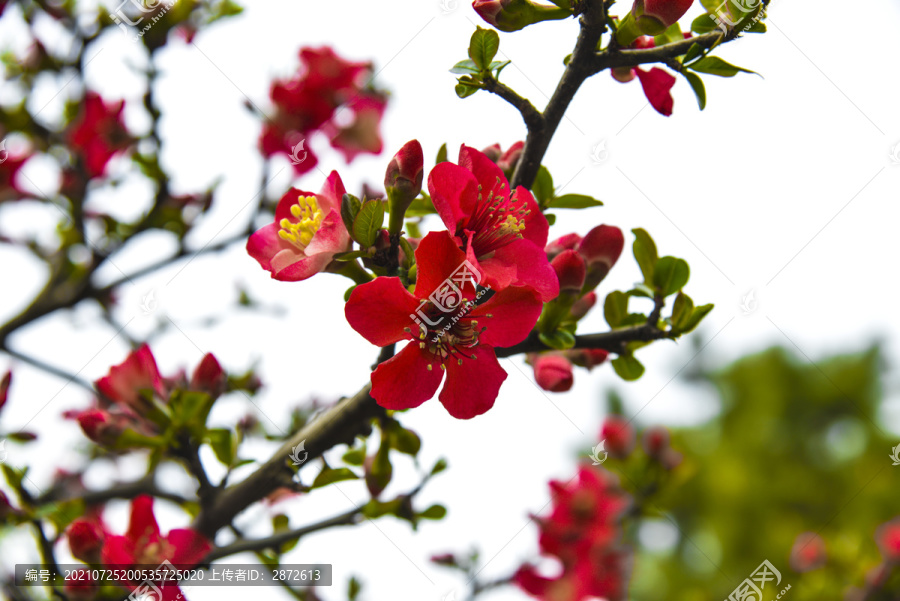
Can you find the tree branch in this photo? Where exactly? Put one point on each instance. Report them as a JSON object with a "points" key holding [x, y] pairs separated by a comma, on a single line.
{"points": [[610, 59], [127, 490], [532, 117], [613, 341], [276, 540]]}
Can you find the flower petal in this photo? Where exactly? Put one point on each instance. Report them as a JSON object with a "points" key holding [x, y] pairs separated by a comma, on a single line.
{"points": [[521, 263], [296, 269], [331, 237], [536, 226], [332, 193], [485, 170], [190, 547], [454, 192], [472, 387], [143, 522], [437, 257], [657, 86], [264, 244], [380, 310], [405, 381], [508, 316]]}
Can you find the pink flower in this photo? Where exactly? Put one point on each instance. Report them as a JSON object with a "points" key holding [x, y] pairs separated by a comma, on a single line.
{"points": [[306, 233], [502, 233], [459, 343]]}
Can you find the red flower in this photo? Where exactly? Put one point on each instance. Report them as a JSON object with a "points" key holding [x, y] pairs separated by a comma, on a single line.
{"points": [[99, 133], [406, 170], [600, 574], [571, 270], [808, 552], [657, 85], [385, 312], [888, 538], [306, 233], [619, 436], [553, 372], [655, 442], [9, 167], [503, 234], [143, 544], [329, 74], [125, 381], [508, 160], [567, 242]]}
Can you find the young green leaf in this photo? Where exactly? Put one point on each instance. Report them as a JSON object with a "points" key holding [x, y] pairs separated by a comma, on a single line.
{"points": [[615, 308], [670, 275], [714, 65], [645, 253], [483, 47], [543, 186], [697, 86], [331, 475], [628, 368], [465, 67], [368, 222], [441, 155], [574, 201]]}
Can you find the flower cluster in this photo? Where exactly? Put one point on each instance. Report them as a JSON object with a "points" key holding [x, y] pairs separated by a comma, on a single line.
{"points": [[142, 545], [582, 532], [309, 101], [98, 133]]}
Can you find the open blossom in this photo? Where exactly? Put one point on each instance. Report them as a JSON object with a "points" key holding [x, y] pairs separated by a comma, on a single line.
{"points": [[143, 544], [99, 133], [502, 232], [459, 343], [307, 103], [306, 233], [582, 531]]}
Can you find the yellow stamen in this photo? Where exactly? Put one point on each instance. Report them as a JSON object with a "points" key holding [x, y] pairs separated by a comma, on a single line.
{"points": [[309, 218], [512, 225]]}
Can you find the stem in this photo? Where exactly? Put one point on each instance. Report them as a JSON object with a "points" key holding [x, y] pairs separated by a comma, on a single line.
{"points": [[355, 272]]}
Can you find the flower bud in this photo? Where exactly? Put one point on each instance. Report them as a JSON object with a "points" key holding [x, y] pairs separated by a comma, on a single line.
{"points": [[209, 376], [583, 305], [601, 248], [100, 426], [403, 181], [570, 269], [513, 15], [808, 552], [567, 242], [655, 16], [618, 436], [553, 373], [655, 442], [86, 539], [622, 74], [509, 159], [493, 152], [587, 358]]}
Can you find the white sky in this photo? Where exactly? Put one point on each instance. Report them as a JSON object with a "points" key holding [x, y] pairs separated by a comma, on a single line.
{"points": [[783, 186]]}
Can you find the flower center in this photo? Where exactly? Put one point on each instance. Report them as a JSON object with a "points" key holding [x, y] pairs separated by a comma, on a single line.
{"points": [[309, 218], [447, 336], [498, 219], [154, 553]]}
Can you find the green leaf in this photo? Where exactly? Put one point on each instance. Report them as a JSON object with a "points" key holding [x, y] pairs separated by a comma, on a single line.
{"points": [[682, 309], [375, 508], [465, 67], [331, 475], [669, 36], [380, 471], [222, 443], [349, 255], [483, 47], [703, 24], [350, 206], [714, 65], [670, 275], [355, 456], [543, 186], [696, 317], [441, 155], [353, 588], [439, 466], [464, 91], [422, 205], [368, 222], [758, 27], [697, 86], [574, 201], [405, 441], [550, 217], [559, 339], [497, 66], [645, 253], [435, 512], [615, 309], [628, 368]]}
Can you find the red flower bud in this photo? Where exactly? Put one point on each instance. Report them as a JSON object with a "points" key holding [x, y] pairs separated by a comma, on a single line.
{"points": [[513, 15], [444, 559], [553, 373], [405, 171], [567, 242], [571, 270], [100, 426], [654, 16], [888, 538], [622, 74], [655, 441], [808, 552], [493, 152], [86, 539], [209, 376], [587, 358], [601, 248], [583, 305], [618, 436], [507, 162]]}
